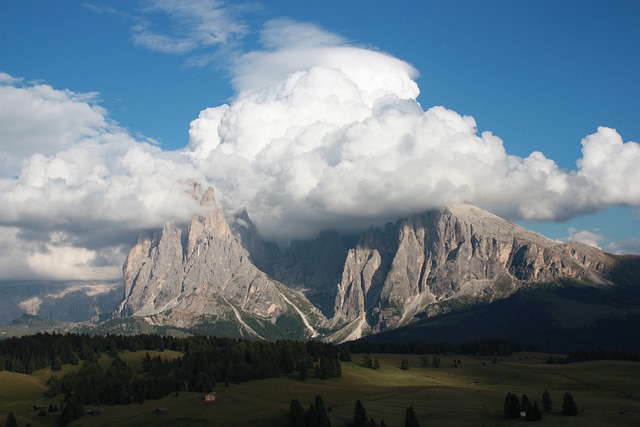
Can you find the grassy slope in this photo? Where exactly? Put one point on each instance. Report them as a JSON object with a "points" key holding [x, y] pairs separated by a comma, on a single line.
{"points": [[469, 395], [19, 392]]}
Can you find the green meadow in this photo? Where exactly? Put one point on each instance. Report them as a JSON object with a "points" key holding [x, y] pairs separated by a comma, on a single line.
{"points": [[471, 394]]}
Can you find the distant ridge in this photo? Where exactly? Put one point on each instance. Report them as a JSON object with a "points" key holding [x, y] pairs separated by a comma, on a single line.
{"points": [[59, 301], [562, 319]]}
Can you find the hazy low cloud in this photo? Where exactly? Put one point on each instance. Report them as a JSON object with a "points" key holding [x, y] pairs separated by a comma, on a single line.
{"points": [[628, 246], [321, 134], [584, 236]]}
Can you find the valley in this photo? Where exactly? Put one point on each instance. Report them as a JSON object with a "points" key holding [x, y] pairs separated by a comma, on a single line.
{"points": [[472, 393]]}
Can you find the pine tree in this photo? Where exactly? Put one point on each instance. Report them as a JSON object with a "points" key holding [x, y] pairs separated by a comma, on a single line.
{"points": [[146, 363], [296, 414], [359, 415], [66, 416], [569, 406], [511, 406], [54, 386], [56, 365], [11, 420], [436, 361], [345, 354], [366, 361], [536, 415], [404, 365], [287, 360], [322, 420], [76, 407], [31, 365], [525, 403], [303, 372], [310, 417], [547, 405], [425, 361], [410, 419]]}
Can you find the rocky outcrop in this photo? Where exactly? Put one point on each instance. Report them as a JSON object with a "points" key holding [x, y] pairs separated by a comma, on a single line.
{"points": [[203, 274], [315, 267], [264, 255], [458, 253]]}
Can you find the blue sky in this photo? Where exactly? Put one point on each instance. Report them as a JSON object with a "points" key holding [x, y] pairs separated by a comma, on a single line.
{"points": [[539, 75]]}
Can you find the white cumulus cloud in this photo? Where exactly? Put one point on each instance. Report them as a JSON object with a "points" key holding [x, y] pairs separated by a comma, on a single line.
{"points": [[321, 134], [331, 135], [76, 188]]}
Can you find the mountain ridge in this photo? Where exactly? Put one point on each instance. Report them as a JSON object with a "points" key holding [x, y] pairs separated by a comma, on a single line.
{"points": [[221, 270], [462, 251], [204, 273], [401, 280], [69, 301]]}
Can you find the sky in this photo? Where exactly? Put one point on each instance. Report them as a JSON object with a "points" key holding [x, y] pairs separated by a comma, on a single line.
{"points": [[115, 116]]}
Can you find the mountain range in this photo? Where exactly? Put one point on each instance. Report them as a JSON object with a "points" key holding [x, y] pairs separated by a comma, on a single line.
{"points": [[216, 275], [220, 274]]}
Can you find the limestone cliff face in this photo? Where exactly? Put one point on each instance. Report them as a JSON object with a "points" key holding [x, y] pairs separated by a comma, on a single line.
{"points": [[314, 267], [221, 274], [204, 274], [460, 252]]}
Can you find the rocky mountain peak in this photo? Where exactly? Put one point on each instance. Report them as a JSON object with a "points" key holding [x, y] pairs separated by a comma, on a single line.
{"points": [[221, 273], [461, 252], [208, 276], [209, 198]]}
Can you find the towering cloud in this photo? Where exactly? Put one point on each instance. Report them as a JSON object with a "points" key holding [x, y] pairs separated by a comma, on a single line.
{"points": [[326, 134], [321, 134]]}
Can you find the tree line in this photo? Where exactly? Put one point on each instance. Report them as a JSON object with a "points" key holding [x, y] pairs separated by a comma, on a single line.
{"points": [[236, 360], [317, 415], [497, 346], [599, 353], [33, 352], [489, 347], [30, 353], [205, 363]]}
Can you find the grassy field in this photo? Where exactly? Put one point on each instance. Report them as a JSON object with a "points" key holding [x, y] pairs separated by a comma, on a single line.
{"points": [[472, 394]]}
